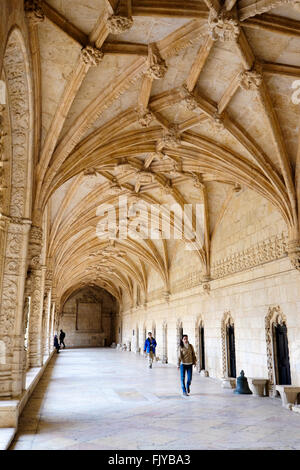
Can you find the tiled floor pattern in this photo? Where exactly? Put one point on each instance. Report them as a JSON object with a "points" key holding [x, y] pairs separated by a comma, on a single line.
{"points": [[105, 399]]}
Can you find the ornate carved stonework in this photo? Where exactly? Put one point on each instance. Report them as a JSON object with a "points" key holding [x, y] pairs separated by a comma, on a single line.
{"points": [[223, 26], [274, 316], [157, 67], [267, 250], [170, 138], [218, 122], [145, 117], [294, 253], [91, 55], [250, 80], [19, 110], [119, 24], [188, 99], [226, 321], [34, 11]]}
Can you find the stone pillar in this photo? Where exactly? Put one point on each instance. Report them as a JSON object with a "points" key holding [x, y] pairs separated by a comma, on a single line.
{"points": [[14, 258], [51, 330], [46, 323], [47, 313], [38, 273]]}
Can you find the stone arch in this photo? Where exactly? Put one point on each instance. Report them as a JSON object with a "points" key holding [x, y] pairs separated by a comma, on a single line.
{"points": [[273, 317], [227, 320]]}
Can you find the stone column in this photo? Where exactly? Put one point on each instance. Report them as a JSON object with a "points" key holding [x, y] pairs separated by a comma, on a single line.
{"points": [[14, 258], [46, 320], [51, 331], [38, 273]]}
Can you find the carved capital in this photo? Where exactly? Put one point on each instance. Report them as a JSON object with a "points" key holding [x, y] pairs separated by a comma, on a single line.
{"points": [[188, 98], [250, 79], [293, 249], [145, 117], [170, 138], [223, 26], [218, 122], [118, 24], [91, 55], [34, 11], [157, 67]]}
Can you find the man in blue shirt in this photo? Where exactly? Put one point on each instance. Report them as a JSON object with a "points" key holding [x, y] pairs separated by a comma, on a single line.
{"points": [[149, 348]]}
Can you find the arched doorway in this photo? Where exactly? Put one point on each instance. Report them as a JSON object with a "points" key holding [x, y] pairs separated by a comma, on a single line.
{"points": [[228, 346], [165, 343], [231, 350], [200, 345], [277, 350]]}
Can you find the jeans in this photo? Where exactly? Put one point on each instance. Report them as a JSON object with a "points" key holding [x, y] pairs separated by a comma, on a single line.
{"points": [[183, 369], [150, 358]]}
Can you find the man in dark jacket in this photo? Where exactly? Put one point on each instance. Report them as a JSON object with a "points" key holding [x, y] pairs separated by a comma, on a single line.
{"points": [[149, 348], [61, 338]]}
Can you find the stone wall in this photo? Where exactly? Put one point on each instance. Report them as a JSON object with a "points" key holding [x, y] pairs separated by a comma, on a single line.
{"points": [[88, 318], [252, 276]]}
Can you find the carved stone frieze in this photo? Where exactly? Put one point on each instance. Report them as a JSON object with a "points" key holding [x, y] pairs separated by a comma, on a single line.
{"points": [[157, 67], [91, 55], [34, 11], [118, 24], [223, 26], [267, 250]]}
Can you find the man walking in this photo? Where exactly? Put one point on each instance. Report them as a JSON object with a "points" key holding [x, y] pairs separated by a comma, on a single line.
{"points": [[149, 348], [61, 338]]}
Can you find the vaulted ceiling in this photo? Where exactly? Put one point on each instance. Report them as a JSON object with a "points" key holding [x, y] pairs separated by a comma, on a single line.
{"points": [[160, 101]]}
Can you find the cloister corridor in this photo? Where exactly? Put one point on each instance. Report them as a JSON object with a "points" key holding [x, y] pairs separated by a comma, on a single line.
{"points": [[100, 398]]}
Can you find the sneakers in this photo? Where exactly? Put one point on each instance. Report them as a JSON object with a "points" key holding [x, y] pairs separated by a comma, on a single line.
{"points": [[188, 390], [184, 394]]}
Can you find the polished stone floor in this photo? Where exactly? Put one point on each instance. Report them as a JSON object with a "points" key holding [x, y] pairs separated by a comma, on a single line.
{"points": [[105, 399]]}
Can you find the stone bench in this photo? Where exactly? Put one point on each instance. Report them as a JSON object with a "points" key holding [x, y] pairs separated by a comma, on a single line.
{"points": [[228, 382], [257, 386], [288, 394]]}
